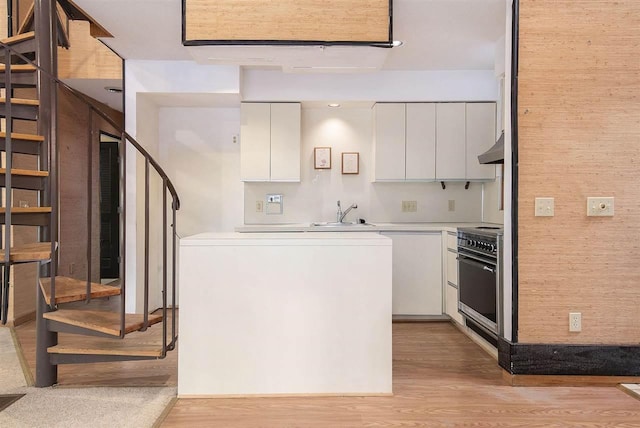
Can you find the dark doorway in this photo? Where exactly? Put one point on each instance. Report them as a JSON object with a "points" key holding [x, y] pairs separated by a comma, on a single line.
{"points": [[109, 201]]}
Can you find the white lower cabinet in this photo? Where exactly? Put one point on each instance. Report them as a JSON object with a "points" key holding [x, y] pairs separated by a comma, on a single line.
{"points": [[452, 304], [417, 273], [451, 279]]}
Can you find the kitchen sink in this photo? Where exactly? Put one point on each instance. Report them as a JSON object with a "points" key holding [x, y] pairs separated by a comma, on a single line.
{"points": [[340, 224]]}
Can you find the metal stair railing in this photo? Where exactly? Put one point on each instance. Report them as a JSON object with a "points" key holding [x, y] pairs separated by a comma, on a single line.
{"points": [[150, 162]]}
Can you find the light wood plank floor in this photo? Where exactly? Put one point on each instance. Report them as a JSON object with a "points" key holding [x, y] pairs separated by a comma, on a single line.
{"points": [[126, 373], [441, 379]]}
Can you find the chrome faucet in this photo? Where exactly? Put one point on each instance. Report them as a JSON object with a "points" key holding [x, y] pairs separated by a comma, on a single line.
{"points": [[341, 215]]}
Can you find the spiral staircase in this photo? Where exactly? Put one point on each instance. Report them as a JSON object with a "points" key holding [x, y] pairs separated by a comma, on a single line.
{"points": [[28, 61]]}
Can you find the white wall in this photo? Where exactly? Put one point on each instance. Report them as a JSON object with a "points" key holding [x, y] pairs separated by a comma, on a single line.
{"points": [[314, 199], [197, 151], [143, 79]]}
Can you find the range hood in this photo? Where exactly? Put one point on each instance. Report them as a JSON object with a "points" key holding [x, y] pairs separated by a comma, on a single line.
{"points": [[495, 154]]}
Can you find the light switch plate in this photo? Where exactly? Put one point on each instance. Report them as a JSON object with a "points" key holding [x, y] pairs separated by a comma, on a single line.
{"points": [[600, 206], [545, 207]]}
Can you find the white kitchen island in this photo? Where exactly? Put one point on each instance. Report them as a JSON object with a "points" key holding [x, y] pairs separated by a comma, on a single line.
{"points": [[285, 314]]}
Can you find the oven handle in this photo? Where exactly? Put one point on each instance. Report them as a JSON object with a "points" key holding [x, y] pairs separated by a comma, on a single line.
{"points": [[466, 259], [477, 259]]}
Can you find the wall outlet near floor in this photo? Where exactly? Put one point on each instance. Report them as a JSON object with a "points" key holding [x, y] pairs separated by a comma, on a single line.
{"points": [[409, 206], [452, 205], [600, 207], [545, 207], [259, 206], [575, 321], [72, 267]]}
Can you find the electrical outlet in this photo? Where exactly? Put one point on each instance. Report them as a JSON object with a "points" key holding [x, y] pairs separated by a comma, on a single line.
{"points": [[452, 205], [600, 207], [259, 206], [575, 321], [545, 207], [409, 206]]}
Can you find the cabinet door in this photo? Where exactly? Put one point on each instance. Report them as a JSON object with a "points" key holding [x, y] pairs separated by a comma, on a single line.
{"points": [[255, 141], [450, 141], [285, 142], [421, 141], [452, 304], [389, 141], [417, 273], [452, 267], [481, 135]]}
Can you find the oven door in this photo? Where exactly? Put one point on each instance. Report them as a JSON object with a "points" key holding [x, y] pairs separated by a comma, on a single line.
{"points": [[477, 288]]}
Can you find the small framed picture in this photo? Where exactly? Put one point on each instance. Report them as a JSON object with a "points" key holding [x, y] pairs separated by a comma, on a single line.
{"points": [[322, 158], [350, 163]]}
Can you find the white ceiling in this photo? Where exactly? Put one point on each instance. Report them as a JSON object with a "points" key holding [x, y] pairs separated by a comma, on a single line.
{"points": [[437, 35]]}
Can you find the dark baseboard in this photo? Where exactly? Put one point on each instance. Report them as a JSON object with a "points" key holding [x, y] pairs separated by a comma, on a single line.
{"points": [[561, 359]]}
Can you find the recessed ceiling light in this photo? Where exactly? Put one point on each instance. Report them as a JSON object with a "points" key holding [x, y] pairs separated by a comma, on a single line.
{"points": [[334, 105], [397, 43], [113, 89]]}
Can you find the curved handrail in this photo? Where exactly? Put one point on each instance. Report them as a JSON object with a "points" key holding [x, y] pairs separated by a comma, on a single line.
{"points": [[82, 97], [167, 186]]}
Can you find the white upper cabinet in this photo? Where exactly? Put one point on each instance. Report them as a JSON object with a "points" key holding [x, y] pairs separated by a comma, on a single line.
{"points": [[389, 141], [404, 141], [270, 142], [421, 141], [255, 141], [285, 142], [481, 135], [450, 138]]}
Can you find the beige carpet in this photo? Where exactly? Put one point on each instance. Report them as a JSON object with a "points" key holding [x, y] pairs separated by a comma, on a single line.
{"points": [[74, 407]]}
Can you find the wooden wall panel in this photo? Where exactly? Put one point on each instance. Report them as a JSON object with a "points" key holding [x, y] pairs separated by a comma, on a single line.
{"points": [[579, 136], [23, 286], [286, 20], [87, 58], [74, 126]]}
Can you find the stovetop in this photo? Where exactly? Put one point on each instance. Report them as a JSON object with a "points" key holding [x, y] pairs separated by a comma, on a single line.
{"points": [[485, 240]]}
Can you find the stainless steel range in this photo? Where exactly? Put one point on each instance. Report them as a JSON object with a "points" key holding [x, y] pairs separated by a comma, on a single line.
{"points": [[480, 277]]}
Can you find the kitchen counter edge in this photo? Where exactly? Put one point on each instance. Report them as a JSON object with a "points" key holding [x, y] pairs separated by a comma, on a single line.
{"points": [[377, 227]]}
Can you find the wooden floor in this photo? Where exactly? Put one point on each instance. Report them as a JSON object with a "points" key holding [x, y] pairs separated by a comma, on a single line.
{"points": [[127, 373], [441, 379]]}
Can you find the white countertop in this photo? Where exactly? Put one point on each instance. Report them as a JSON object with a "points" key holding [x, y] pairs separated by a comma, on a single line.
{"points": [[285, 238], [377, 227]]}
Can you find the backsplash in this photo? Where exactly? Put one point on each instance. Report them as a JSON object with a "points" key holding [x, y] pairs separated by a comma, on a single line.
{"points": [[314, 198]]}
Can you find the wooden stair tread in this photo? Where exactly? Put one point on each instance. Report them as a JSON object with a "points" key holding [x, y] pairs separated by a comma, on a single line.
{"points": [[26, 210], [25, 172], [21, 101], [32, 252], [74, 290], [19, 38], [25, 137], [101, 321], [99, 346], [18, 68]]}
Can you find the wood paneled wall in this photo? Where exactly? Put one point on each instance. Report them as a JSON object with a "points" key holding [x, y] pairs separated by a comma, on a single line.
{"points": [[87, 58], [286, 20], [23, 287], [76, 127], [579, 136]]}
